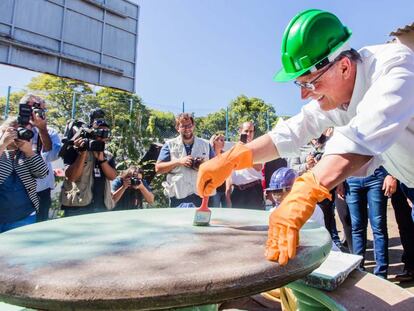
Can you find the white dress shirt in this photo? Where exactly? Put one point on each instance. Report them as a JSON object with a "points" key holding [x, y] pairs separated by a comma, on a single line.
{"points": [[48, 157], [379, 120]]}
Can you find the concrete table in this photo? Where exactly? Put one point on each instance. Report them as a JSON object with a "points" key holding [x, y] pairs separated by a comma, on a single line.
{"points": [[147, 259]]}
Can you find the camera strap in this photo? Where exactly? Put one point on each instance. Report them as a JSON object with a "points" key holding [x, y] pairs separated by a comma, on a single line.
{"points": [[39, 144]]}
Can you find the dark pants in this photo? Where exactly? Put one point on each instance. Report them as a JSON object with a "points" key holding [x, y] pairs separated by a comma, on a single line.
{"points": [[405, 225], [251, 198], [45, 201], [192, 198], [345, 217], [328, 208], [366, 198], [80, 210]]}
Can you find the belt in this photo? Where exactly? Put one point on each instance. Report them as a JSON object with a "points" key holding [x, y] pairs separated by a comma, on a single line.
{"points": [[249, 185]]}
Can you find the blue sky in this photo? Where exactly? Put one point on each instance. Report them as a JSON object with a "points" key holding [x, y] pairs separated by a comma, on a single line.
{"points": [[207, 52]]}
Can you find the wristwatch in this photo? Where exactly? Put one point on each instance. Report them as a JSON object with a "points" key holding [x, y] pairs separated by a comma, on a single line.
{"points": [[101, 161]]}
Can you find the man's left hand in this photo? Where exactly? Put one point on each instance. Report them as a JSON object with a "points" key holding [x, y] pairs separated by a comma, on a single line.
{"points": [[286, 220], [99, 155]]}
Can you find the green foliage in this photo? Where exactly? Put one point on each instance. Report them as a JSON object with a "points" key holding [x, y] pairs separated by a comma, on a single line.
{"points": [[161, 125], [254, 109], [59, 92], [213, 122], [13, 102]]}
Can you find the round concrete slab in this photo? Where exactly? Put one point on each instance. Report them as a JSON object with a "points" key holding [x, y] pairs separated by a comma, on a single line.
{"points": [[147, 259]]}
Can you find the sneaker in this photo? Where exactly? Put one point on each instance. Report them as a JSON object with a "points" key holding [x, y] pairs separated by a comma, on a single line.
{"points": [[406, 276]]}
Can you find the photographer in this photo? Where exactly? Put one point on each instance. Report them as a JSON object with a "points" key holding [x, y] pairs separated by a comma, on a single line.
{"points": [[130, 189], [46, 143], [19, 168], [244, 187], [90, 169], [180, 158]]}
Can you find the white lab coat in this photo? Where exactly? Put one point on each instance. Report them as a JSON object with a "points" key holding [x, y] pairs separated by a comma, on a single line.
{"points": [[379, 120]]}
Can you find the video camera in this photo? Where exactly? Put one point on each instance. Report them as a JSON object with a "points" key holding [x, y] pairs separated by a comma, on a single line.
{"points": [[78, 129], [26, 110], [25, 114]]}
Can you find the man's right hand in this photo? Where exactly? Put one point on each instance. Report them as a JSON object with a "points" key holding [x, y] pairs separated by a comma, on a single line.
{"points": [[214, 172], [186, 161], [79, 144]]}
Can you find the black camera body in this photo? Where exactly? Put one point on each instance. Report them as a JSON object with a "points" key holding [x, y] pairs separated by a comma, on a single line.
{"points": [[89, 137], [25, 113], [39, 111], [24, 133], [196, 162], [135, 181]]}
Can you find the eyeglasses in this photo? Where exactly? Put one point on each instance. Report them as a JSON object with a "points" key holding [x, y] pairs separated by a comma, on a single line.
{"points": [[185, 127], [311, 85]]}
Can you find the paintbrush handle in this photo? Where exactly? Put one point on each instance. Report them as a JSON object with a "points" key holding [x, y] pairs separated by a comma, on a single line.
{"points": [[204, 204]]}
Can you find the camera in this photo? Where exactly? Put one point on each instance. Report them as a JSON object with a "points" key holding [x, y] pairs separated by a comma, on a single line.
{"points": [[89, 137], [38, 111], [24, 133], [25, 113], [243, 138], [196, 162], [135, 181]]}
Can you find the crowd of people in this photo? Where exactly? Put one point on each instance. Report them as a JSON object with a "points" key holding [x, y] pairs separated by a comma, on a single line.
{"points": [[313, 159], [28, 146]]}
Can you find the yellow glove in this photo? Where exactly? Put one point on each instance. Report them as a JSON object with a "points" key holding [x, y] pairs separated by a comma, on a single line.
{"points": [[286, 220], [214, 172]]}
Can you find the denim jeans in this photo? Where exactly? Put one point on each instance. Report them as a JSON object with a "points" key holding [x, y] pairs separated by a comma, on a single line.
{"points": [[360, 192], [192, 198], [31, 219], [215, 200]]}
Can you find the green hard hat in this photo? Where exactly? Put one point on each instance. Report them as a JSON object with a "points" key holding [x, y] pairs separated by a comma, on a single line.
{"points": [[309, 42]]}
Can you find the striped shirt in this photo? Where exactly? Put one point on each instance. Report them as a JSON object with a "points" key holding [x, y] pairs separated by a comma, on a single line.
{"points": [[28, 169]]}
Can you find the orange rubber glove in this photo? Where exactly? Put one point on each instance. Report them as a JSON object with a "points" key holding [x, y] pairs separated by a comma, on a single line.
{"points": [[215, 171], [286, 220]]}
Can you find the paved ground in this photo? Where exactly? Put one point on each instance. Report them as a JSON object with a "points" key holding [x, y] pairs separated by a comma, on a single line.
{"points": [[395, 250]]}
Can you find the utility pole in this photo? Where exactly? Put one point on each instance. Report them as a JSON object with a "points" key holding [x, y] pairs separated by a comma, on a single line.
{"points": [[7, 107], [73, 105], [227, 123], [183, 107]]}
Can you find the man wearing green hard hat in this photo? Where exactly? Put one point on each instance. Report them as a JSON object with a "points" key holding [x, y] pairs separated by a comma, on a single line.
{"points": [[368, 96]]}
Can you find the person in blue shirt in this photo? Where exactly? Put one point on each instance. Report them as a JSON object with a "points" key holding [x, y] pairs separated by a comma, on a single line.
{"points": [[180, 159], [130, 190], [46, 143]]}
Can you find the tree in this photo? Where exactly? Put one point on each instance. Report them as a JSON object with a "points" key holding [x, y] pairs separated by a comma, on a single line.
{"points": [[161, 125], [13, 102], [212, 123], [254, 109], [59, 93]]}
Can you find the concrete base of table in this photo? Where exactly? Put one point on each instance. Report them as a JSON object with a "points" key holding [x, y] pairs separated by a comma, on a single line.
{"points": [[147, 259]]}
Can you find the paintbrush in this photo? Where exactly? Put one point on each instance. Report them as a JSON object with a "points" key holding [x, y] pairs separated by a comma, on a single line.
{"points": [[202, 214]]}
